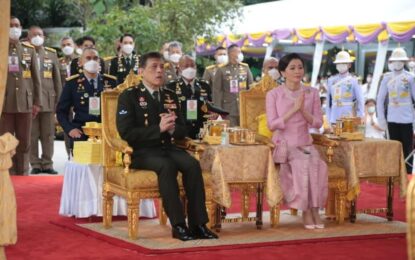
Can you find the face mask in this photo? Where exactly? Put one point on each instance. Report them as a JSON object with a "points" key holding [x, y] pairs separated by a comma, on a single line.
{"points": [[397, 65], [323, 82], [324, 106], [166, 55], [67, 50], [411, 64], [15, 33], [240, 57], [222, 59], [368, 79], [91, 66], [78, 51], [127, 48], [189, 73], [342, 68], [274, 74], [175, 57], [37, 41], [371, 109]]}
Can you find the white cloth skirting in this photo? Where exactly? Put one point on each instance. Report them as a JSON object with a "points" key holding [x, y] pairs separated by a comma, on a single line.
{"points": [[82, 193]]}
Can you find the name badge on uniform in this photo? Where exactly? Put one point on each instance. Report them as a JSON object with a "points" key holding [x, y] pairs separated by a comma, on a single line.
{"points": [[27, 74], [337, 93], [234, 88], [191, 111], [94, 106], [13, 64], [47, 74]]}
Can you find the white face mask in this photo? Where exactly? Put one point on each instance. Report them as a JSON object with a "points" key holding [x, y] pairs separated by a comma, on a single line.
{"points": [[189, 73], [222, 59], [175, 57], [78, 51], [15, 33], [368, 79], [411, 65], [371, 109], [91, 66], [67, 50], [127, 48], [342, 68], [166, 55], [397, 65], [37, 41], [274, 74], [240, 57]]}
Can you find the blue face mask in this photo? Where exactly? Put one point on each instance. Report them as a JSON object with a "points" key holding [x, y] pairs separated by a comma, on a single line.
{"points": [[371, 109]]}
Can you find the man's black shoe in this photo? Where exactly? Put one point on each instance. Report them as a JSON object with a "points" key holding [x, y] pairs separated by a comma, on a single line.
{"points": [[181, 232], [35, 171], [202, 232], [49, 171]]}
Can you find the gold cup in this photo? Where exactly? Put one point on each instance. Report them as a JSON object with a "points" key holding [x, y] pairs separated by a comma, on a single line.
{"points": [[215, 130], [250, 137]]}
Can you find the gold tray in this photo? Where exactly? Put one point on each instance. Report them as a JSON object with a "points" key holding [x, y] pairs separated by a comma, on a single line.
{"points": [[243, 144]]}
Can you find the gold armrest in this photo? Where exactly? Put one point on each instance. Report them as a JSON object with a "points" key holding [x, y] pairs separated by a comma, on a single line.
{"points": [[319, 139], [119, 145], [264, 140]]}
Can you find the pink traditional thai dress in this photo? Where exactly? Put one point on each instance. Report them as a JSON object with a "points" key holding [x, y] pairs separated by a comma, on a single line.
{"points": [[304, 175]]}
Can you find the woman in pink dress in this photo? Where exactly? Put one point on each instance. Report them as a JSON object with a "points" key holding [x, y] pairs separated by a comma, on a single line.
{"points": [[292, 109]]}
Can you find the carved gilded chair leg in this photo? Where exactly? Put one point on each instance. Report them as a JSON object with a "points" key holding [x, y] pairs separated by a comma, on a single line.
{"points": [[210, 207], [294, 212], [331, 206], [162, 214], [245, 203], [107, 206], [341, 207], [133, 214], [275, 216]]}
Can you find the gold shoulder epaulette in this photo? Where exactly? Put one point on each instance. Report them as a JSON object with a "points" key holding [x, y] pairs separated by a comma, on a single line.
{"points": [[108, 58], [166, 65], [28, 45], [72, 77], [210, 66], [243, 63], [50, 49], [222, 65], [110, 76]]}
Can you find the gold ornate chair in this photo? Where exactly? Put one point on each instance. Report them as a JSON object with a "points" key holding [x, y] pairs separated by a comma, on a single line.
{"points": [[132, 184], [410, 218]]}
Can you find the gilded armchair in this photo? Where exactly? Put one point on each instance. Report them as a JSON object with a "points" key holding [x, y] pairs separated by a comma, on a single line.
{"points": [[410, 218], [131, 184]]}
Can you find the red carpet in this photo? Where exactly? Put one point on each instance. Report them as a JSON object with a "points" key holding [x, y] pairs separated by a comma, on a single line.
{"points": [[38, 203]]}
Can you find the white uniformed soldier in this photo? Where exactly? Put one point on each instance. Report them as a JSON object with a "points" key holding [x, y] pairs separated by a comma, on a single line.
{"points": [[396, 98], [228, 81], [43, 125], [343, 91], [221, 57]]}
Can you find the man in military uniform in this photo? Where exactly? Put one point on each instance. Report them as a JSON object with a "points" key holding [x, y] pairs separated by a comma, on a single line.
{"points": [[68, 49], [193, 95], [397, 88], [43, 125], [82, 92], [171, 67], [23, 96], [221, 57], [148, 118], [343, 91], [228, 81], [84, 42], [126, 61]]}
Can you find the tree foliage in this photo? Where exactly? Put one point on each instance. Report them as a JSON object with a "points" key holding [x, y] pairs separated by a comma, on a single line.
{"points": [[166, 20]]}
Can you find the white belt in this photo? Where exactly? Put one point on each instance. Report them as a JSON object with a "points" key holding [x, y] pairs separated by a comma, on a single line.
{"points": [[400, 104], [341, 103]]}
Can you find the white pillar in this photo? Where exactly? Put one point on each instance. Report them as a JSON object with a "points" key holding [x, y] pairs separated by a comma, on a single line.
{"points": [[318, 55], [379, 65]]}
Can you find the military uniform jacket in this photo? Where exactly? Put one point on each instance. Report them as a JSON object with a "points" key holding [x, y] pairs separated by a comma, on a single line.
{"points": [[209, 73], [23, 87], [76, 69], [228, 81], [76, 93], [343, 93], [120, 69], [50, 78], [398, 89], [202, 93], [138, 118], [170, 71], [65, 68]]}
